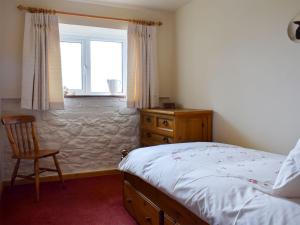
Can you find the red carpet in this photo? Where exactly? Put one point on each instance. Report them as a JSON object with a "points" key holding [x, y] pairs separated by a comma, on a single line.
{"points": [[92, 201]]}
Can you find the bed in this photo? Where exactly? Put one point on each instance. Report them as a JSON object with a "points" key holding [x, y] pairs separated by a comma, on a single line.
{"points": [[205, 183]]}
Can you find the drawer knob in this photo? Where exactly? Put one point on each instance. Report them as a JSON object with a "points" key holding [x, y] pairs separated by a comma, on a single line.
{"points": [[148, 220], [149, 135], [148, 119], [129, 201], [166, 140], [165, 122]]}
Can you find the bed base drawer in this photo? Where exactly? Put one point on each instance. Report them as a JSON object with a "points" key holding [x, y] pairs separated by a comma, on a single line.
{"points": [[170, 211], [169, 221], [140, 208]]}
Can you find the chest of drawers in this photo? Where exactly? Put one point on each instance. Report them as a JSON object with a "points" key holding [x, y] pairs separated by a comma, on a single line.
{"points": [[164, 126]]}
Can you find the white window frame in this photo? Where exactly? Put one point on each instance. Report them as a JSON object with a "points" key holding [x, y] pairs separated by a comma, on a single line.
{"points": [[86, 61]]}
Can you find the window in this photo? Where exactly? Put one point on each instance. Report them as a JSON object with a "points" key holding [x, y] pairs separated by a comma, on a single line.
{"points": [[94, 60]]}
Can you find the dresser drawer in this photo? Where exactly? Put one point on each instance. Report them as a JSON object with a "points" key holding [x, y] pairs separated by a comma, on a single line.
{"points": [[148, 121], [165, 123], [149, 138], [144, 211], [166, 126]]}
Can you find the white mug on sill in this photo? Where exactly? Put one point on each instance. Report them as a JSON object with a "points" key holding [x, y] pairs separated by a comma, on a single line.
{"points": [[113, 86]]}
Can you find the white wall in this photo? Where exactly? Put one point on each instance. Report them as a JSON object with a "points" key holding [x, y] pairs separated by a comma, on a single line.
{"points": [[235, 57], [12, 35]]}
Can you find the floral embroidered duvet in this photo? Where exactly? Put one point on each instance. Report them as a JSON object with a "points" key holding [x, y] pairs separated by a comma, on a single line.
{"points": [[222, 184]]}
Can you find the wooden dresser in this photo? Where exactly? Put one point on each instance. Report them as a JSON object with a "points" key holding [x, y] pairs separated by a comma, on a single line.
{"points": [[167, 126]]}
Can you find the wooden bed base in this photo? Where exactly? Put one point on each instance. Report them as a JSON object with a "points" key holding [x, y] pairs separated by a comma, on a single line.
{"points": [[149, 205]]}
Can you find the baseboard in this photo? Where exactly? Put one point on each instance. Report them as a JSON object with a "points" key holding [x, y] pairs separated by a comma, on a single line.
{"points": [[68, 176]]}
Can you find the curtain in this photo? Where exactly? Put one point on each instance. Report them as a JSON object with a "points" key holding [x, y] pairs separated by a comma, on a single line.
{"points": [[41, 71], [142, 77]]}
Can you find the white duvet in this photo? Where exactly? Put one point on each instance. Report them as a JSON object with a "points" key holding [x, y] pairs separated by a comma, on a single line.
{"points": [[222, 184]]}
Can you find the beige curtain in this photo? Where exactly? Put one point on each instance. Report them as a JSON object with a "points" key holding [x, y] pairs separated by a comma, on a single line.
{"points": [[142, 81], [41, 73]]}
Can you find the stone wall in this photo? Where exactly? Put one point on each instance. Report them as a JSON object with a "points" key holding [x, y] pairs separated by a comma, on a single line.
{"points": [[89, 133]]}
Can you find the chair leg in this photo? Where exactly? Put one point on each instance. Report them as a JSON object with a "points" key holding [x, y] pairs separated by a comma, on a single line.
{"points": [[37, 179], [15, 173], [58, 170]]}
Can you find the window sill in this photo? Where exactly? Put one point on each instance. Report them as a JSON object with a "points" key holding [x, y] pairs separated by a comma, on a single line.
{"points": [[94, 96]]}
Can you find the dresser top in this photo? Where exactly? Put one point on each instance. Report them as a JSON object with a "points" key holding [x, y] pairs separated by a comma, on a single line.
{"points": [[176, 111]]}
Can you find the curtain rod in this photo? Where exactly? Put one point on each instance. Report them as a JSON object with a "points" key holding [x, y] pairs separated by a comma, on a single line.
{"points": [[41, 10]]}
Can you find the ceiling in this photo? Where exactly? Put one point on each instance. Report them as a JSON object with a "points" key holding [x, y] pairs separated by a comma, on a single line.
{"points": [[169, 5]]}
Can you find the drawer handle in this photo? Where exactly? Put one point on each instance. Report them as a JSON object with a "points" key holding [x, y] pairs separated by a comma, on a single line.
{"points": [[148, 219], [166, 140], [149, 135], [148, 119], [166, 123]]}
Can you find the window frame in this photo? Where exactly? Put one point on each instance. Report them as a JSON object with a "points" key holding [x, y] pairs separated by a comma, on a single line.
{"points": [[86, 61]]}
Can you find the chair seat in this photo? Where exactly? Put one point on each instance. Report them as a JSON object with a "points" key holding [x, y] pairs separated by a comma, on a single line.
{"points": [[41, 154]]}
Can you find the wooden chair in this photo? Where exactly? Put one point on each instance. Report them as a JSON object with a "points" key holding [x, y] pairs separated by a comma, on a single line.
{"points": [[24, 144]]}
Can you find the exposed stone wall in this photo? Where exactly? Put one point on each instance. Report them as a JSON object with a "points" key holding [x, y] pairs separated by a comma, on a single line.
{"points": [[89, 133]]}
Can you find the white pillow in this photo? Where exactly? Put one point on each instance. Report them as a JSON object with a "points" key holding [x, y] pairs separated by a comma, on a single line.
{"points": [[287, 183]]}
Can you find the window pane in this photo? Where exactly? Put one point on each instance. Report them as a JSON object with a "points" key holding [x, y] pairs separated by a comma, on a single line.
{"points": [[106, 64], [71, 65]]}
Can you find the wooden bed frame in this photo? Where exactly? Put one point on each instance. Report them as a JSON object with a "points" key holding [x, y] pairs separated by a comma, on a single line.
{"points": [[148, 205]]}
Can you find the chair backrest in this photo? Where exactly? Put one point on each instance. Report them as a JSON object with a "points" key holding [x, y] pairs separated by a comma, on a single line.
{"points": [[20, 131]]}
